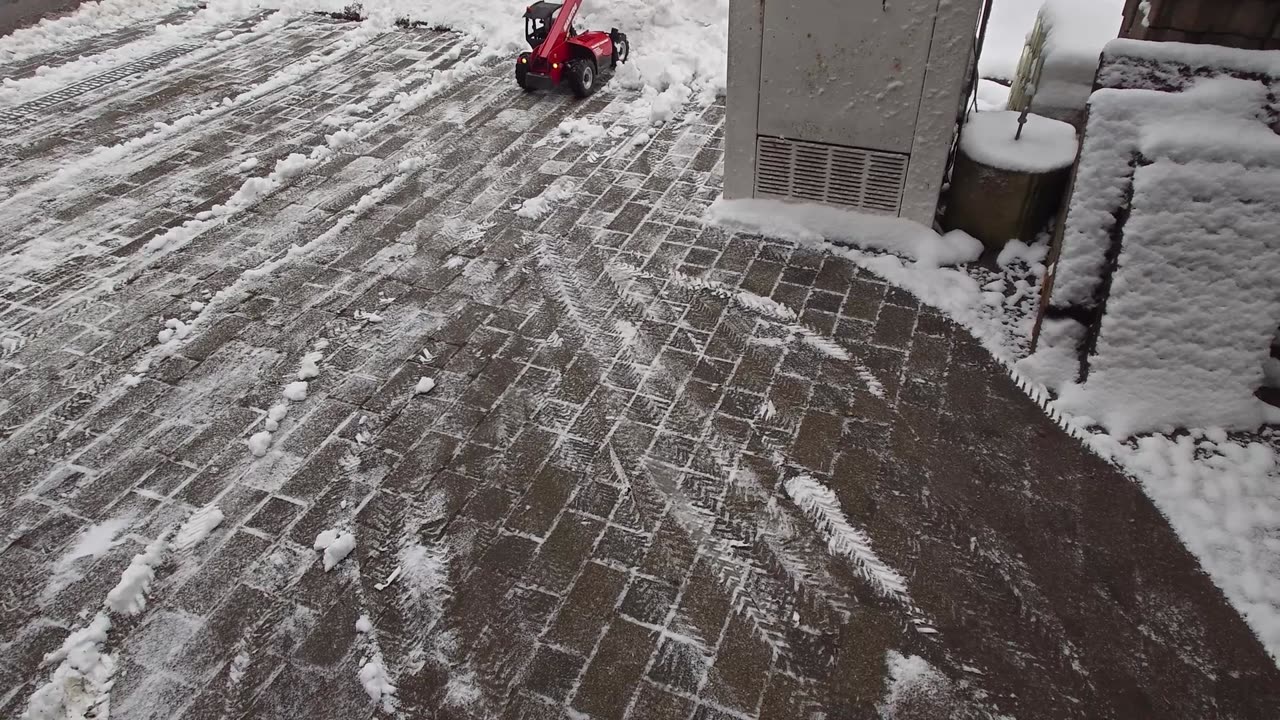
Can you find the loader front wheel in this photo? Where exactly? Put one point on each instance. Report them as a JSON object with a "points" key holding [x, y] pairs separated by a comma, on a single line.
{"points": [[621, 49], [522, 72], [582, 76]]}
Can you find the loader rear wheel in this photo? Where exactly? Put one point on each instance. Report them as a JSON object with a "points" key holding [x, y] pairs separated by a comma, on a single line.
{"points": [[582, 76]]}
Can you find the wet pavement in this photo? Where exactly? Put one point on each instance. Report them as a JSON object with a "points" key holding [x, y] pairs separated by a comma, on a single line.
{"points": [[665, 471]]}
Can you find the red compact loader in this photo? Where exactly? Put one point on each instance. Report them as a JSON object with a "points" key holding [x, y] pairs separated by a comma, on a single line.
{"points": [[560, 53]]}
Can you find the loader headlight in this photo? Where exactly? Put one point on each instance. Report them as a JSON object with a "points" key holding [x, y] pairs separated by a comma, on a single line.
{"points": [[555, 66]]}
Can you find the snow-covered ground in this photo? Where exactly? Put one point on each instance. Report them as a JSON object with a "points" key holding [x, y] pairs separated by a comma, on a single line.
{"points": [[392, 388]]}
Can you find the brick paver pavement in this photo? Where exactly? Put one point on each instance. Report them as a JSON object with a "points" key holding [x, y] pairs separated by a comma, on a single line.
{"points": [[599, 510]]}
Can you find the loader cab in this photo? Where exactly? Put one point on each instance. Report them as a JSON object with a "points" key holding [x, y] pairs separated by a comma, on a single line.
{"points": [[537, 22]]}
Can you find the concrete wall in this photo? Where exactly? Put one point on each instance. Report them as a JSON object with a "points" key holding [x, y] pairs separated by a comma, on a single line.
{"points": [[1250, 24], [15, 14]]}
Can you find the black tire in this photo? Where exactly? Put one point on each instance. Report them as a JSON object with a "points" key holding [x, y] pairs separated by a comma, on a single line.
{"points": [[582, 76], [621, 50], [522, 71]]}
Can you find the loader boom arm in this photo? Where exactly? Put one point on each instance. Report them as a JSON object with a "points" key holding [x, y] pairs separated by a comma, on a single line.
{"points": [[559, 30]]}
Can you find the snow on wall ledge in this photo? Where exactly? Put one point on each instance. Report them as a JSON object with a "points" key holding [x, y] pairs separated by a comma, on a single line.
{"points": [[1194, 303], [809, 222], [1112, 140]]}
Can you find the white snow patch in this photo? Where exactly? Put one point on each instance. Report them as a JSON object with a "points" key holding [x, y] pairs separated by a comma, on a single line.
{"points": [[274, 416], [1017, 251], [224, 35], [992, 96], [627, 331], [91, 19], [93, 542], [807, 222], [296, 391], [424, 569], [197, 527], [363, 624], [461, 690], [248, 164], [821, 505], [96, 539], [1045, 144], [337, 545], [1056, 361], [424, 386], [580, 131], [911, 679], [309, 368], [559, 190]]}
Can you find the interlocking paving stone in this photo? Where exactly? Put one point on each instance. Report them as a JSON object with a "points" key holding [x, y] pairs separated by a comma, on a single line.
{"points": [[586, 516]]}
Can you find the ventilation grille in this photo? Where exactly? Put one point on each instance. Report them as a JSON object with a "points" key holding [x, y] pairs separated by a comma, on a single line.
{"points": [[853, 177]]}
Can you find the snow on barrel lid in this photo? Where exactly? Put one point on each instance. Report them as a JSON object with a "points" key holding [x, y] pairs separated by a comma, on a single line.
{"points": [[1046, 144]]}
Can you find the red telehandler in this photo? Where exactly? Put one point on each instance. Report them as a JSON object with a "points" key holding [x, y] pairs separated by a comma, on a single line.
{"points": [[560, 53]]}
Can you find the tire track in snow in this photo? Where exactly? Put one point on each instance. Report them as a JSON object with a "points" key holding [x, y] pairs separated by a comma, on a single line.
{"points": [[734, 543]]}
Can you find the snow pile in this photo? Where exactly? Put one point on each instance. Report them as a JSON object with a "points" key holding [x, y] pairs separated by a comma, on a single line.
{"points": [[373, 673], [679, 50], [1056, 361], [81, 684], [90, 20], [992, 139], [806, 222], [337, 545], [129, 596], [424, 386], [376, 682], [678, 47], [173, 328], [1117, 121], [308, 369]]}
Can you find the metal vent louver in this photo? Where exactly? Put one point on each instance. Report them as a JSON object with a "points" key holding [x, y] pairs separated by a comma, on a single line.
{"points": [[864, 179]]}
